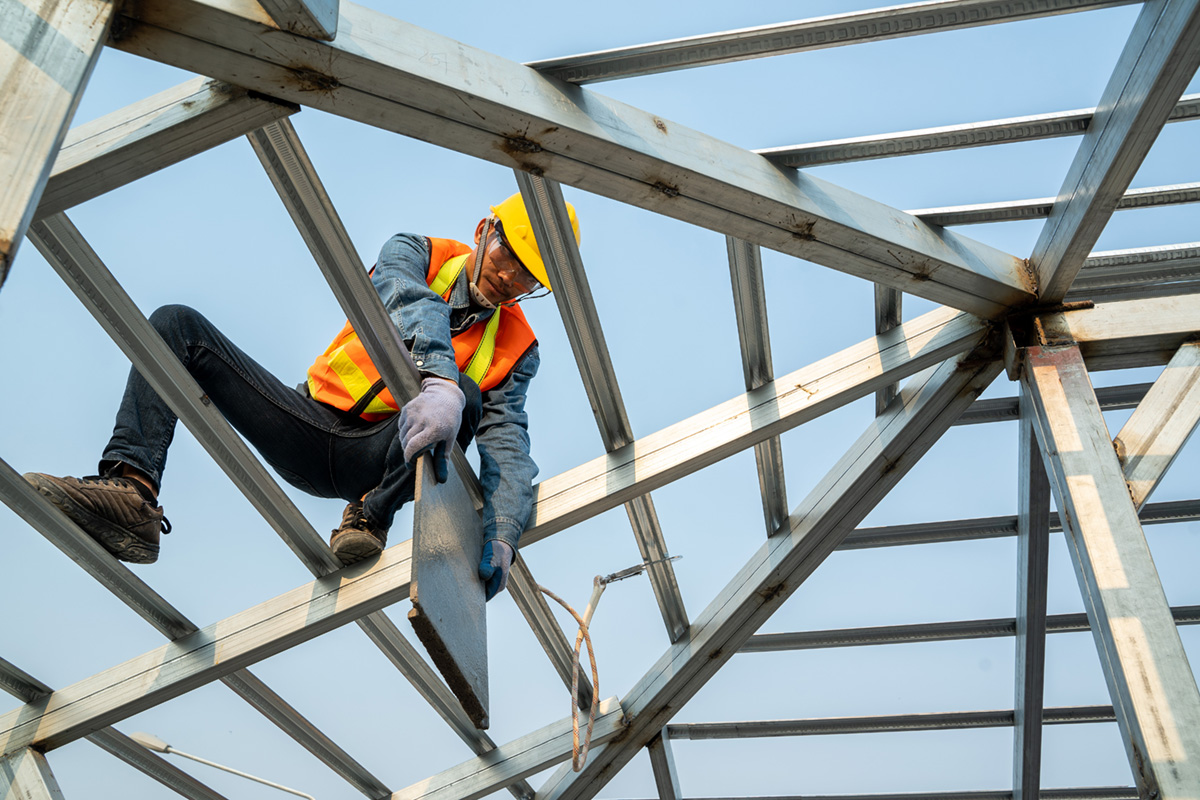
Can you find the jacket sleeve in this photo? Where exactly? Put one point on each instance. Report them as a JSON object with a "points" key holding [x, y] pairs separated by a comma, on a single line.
{"points": [[506, 469], [422, 317]]}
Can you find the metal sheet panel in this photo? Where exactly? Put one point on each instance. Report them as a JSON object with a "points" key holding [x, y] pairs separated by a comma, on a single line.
{"points": [[448, 611]]}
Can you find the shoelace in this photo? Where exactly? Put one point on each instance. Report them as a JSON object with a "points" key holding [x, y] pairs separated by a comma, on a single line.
{"points": [[128, 483]]}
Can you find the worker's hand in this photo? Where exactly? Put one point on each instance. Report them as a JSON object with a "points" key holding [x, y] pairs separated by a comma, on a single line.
{"points": [[429, 422], [493, 567]]}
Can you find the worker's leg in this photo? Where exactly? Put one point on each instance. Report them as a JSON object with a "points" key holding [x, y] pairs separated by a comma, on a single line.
{"points": [[291, 431], [397, 484]]}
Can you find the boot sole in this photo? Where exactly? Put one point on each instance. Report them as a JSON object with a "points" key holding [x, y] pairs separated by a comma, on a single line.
{"points": [[354, 546], [124, 545]]}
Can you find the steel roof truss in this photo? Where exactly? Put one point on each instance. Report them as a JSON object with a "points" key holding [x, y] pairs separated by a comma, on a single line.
{"points": [[892, 444], [24, 500], [579, 138]]}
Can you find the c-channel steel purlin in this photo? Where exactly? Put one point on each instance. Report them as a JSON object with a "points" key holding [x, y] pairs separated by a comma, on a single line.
{"points": [[754, 340]]}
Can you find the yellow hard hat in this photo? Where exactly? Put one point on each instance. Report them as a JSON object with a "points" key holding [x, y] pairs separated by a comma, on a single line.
{"points": [[518, 232]]}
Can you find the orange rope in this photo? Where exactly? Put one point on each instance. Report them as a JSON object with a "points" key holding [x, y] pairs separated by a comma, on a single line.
{"points": [[579, 754]]}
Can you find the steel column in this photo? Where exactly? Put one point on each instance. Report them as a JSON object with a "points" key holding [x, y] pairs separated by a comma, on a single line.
{"points": [[1033, 553], [1154, 692], [662, 762]]}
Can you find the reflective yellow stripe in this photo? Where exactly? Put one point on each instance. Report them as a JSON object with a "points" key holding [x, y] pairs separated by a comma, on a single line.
{"points": [[356, 383], [448, 273], [485, 352]]}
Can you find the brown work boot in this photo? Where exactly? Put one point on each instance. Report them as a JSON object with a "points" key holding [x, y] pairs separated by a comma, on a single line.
{"points": [[357, 538], [118, 513]]}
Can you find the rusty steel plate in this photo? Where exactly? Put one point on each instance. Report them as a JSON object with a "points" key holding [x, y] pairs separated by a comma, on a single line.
{"points": [[448, 610]]}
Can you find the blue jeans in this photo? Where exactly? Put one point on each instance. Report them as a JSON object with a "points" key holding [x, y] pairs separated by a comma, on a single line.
{"points": [[313, 446]]}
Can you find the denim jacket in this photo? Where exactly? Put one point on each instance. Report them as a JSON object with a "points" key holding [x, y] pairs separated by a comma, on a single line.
{"points": [[426, 323]]}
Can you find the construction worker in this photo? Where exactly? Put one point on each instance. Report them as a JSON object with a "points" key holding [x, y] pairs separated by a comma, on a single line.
{"points": [[341, 433]]}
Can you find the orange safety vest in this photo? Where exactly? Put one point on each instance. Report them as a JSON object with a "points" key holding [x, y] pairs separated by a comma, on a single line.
{"points": [[344, 377]]}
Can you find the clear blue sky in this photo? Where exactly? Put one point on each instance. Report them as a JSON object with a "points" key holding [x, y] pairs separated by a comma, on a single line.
{"points": [[211, 233]]}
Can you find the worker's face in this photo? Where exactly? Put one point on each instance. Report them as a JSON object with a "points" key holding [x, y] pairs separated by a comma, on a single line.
{"points": [[502, 276]]}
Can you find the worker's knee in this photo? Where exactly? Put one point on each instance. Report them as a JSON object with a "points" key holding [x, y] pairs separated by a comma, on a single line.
{"points": [[175, 318]]}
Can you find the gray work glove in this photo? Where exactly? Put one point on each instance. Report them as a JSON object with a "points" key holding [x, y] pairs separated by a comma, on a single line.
{"points": [[494, 566], [429, 422]]}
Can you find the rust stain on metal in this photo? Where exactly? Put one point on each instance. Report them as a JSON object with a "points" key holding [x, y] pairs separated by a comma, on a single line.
{"points": [[806, 390], [771, 592], [1030, 276], [520, 144], [311, 80], [665, 188], [662, 126]]}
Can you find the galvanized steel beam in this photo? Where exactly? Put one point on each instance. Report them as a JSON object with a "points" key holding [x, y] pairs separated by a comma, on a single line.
{"points": [[1153, 690], [152, 134], [24, 500], [662, 762], [1086, 793], [737, 424], [806, 34], [927, 632], [50, 48], [954, 137], [524, 120], [317, 19], [86, 275], [892, 723], [1039, 208], [208, 654], [1159, 59], [25, 775], [1139, 273], [1131, 333], [1161, 425], [754, 340], [881, 457], [28, 689], [515, 760], [1033, 560], [564, 265], [1004, 409], [888, 302], [994, 527]]}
